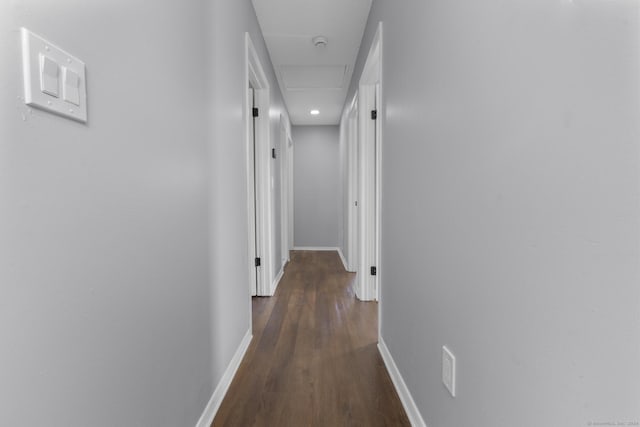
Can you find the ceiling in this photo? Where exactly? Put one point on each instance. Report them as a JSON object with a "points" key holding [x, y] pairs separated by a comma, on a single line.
{"points": [[313, 77]]}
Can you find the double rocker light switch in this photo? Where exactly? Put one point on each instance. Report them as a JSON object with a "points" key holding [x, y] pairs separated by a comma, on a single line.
{"points": [[54, 80]]}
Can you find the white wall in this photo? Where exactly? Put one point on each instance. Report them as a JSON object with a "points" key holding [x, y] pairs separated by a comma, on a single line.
{"points": [[123, 243], [511, 214], [317, 188]]}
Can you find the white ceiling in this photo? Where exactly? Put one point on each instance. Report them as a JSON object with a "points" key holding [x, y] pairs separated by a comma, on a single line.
{"points": [[312, 77]]}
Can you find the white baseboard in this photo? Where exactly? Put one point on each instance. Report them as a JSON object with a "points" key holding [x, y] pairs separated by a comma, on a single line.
{"points": [[206, 419], [344, 261], [315, 248], [401, 388], [276, 281]]}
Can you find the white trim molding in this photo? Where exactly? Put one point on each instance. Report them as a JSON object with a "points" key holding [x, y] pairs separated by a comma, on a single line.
{"points": [[316, 248], [369, 152], [415, 418], [276, 281], [206, 419], [351, 122], [286, 166], [259, 201], [344, 261]]}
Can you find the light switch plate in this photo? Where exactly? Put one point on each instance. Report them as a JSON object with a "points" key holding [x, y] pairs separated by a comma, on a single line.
{"points": [[449, 370], [37, 51]]}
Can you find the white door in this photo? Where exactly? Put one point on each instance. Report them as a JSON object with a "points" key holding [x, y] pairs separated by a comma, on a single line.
{"points": [[370, 143], [284, 192], [368, 165], [352, 149], [253, 192], [290, 191], [376, 192]]}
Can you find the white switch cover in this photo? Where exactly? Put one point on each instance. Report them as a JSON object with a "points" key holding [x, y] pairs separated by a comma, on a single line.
{"points": [[41, 63], [449, 370]]}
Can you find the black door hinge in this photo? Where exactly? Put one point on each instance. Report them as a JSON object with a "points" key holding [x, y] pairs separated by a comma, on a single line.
{"points": [[374, 271], [255, 112], [257, 262], [273, 153], [374, 114]]}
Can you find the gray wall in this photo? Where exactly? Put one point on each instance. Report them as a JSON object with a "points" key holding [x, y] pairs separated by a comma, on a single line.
{"points": [[227, 21], [123, 247], [317, 189], [511, 214]]}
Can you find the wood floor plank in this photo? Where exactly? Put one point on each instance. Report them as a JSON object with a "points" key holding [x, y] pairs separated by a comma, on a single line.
{"points": [[313, 360]]}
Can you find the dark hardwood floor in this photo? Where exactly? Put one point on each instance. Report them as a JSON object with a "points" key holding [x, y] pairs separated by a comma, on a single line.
{"points": [[313, 360]]}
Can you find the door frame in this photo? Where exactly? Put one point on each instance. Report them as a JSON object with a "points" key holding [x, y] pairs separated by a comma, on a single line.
{"points": [[258, 200], [285, 176], [290, 199], [370, 160], [351, 123]]}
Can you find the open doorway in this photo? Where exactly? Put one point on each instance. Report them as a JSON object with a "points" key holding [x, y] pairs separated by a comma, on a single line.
{"points": [[258, 173]]}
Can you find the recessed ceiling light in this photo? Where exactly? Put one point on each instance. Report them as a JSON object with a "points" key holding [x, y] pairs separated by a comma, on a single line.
{"points": [[314, 112]]}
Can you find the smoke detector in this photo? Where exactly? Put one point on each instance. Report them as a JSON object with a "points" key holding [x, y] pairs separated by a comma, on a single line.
{"points": [[320, 41]]}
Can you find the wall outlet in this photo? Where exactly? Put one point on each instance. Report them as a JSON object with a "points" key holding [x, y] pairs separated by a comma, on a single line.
{"points": [[449, 370]]}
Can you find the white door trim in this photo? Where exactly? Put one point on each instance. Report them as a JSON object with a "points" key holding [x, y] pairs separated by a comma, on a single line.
{"points": [[285, 165], [290, 149], [351, 120], [370, 141], [252, 232], [256, 77]]}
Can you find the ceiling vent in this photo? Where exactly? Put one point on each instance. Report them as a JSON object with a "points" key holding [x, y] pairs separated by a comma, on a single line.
{"points": [[320, 41]]}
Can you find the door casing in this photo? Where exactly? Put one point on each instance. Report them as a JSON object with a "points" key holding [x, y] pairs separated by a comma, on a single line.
{"points": [[350, 120], [260, 231], [370, 139], [285, 192]]}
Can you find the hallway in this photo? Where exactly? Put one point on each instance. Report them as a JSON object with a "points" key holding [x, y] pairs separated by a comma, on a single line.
{"points": [[313, 360], [476, 163]]}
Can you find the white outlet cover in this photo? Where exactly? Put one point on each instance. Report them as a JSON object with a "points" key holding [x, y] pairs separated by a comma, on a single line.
{"points": [[449, 370], [34, 48]]}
